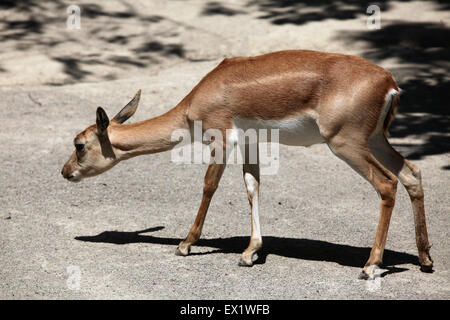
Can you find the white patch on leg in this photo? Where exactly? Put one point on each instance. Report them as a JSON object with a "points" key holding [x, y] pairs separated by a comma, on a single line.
{"points": [[252, 189], [233, 136]]}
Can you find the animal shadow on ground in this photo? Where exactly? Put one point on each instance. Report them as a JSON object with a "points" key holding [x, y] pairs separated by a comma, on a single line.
{"points": [[304, 249]]}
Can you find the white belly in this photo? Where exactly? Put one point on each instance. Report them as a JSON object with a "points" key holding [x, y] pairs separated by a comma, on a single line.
{"points": [[298, 131]]}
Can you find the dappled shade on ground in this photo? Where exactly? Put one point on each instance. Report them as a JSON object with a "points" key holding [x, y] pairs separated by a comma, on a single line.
{"points": [[115, 39], [423, 52]]}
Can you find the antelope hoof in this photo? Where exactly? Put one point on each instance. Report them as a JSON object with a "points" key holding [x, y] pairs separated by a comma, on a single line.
{"points": [[426, 263], [428, 268], [369, 273], [247, 260], [245, 263], [182, 250]]}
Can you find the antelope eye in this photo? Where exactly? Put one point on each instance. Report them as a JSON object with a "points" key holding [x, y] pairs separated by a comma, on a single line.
{"points": [[79, 146]]}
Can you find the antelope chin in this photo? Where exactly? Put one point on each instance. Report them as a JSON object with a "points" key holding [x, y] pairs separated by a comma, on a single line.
{"points": [[74, 177]]}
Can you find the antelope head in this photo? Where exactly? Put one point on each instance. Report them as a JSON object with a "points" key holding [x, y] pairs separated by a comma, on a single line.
{"points": [[94, 153]]}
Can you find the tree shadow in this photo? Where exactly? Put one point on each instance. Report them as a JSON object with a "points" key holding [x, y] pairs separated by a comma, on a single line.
{"points": [[72, 68], [304, 249], [22, 25], [155, 46], [423, 53], [217, 8], [29, 26], [300, 12]]}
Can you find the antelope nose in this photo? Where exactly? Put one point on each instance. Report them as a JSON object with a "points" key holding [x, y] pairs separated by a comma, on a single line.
{"points": [[64, 173]]}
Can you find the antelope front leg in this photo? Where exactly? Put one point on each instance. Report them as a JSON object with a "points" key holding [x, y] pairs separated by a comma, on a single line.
{"points": [[251, 178], [212, 178]]}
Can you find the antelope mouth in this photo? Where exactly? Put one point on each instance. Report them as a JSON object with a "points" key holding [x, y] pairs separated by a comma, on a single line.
{"points": [[73, 178]]}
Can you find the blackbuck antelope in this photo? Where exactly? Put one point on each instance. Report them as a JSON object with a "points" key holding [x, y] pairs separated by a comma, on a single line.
{"points": [[311, 97]]}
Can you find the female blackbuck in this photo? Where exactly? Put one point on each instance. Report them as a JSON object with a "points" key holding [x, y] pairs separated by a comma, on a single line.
{"points": [[311, 97]]}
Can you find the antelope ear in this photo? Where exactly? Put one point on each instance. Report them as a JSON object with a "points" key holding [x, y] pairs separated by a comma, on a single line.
{"points": [[102, 120], [129, 109]]}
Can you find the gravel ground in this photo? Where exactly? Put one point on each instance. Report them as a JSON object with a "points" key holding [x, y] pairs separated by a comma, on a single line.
{"points": [[117, 232]]}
